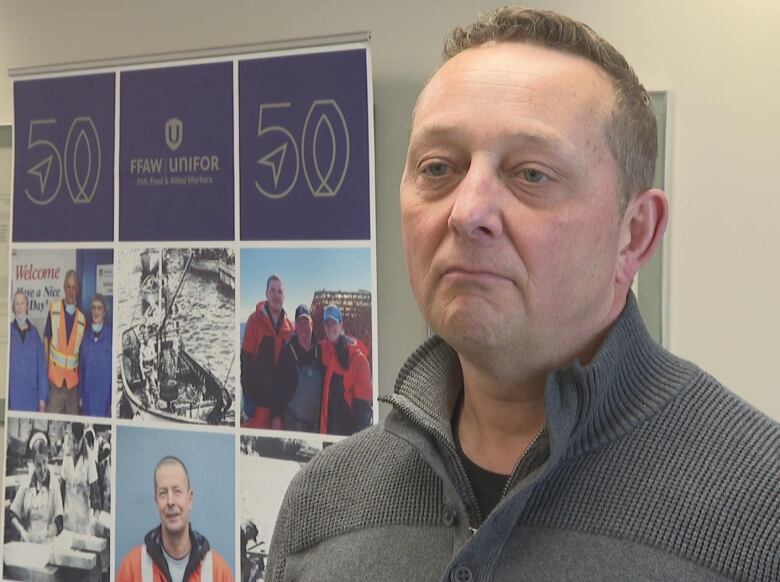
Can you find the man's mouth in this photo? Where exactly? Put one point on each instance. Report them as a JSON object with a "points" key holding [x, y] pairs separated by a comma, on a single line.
{"points": [[473, 275]]}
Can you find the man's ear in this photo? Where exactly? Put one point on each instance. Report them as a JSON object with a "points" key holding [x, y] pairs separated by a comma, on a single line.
{"points": [[642, 229]]}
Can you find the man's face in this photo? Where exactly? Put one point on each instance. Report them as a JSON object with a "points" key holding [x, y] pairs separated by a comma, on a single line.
{"points": [[71, 290], [98, 312], [275, 295], [332, 329], [174, 498], [303, 328], [509, 202]]}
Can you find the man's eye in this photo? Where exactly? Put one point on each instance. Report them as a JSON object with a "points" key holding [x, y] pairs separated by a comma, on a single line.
{"points": [[436, 170], [533, 176]]}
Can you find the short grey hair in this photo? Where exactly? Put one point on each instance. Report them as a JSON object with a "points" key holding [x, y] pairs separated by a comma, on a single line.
{"points": [[72, 274], [171, 460], [630, 127]]}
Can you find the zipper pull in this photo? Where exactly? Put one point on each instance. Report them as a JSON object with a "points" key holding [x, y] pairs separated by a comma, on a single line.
{"points": [[473, 530]]}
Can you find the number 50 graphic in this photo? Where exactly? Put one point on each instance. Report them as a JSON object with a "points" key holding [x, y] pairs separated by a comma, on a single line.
{"points": [[79, 163], [326, 126]]}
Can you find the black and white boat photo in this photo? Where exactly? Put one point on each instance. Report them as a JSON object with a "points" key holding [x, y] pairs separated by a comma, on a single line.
{"points": [[175, 317]]}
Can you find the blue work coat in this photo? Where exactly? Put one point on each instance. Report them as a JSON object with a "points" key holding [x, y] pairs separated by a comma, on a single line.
{"points": [[95, 372], [27, 379]]}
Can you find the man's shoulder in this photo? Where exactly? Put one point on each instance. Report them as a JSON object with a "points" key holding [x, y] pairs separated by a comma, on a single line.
{"points": [[710, 436], [708, 408], [370, 479], [130, 568], [696, 478], [254, 327], [133, 554], [349, 457], [252, 319], [220, 566], [711, 479]]}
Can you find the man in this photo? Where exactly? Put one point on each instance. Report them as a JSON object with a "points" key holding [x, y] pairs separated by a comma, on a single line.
{"points": [[173, 551], [267, 329], [299, 376], [542, 435], [347, 395], [65, 327]]}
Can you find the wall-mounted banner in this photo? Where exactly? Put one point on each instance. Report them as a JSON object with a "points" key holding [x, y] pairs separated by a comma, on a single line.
{"points": [[176, 154], [159, 300], [304, 147], [64, 159]]}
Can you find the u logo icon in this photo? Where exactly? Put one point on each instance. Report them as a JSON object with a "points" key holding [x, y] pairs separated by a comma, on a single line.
{"points": [[174, 133]]}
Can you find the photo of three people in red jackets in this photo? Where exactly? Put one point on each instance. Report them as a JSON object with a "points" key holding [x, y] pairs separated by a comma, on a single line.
{"points": [[310, 372]]}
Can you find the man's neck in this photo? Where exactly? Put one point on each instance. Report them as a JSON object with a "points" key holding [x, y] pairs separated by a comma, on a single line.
{"points": [[503, 394], [274, 314], [178, 545], [498, 420]]}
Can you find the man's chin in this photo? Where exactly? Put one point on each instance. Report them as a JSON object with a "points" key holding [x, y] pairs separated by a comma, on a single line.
{"points": [[471, 320], [174, 525], [471, 342]]}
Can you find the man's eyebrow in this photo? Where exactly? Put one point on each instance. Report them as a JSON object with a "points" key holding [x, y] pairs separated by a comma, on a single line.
{"points": [[548, 142]]}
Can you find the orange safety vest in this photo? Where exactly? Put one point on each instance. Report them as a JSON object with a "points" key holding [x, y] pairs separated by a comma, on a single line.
{"points": [[64, 351]]}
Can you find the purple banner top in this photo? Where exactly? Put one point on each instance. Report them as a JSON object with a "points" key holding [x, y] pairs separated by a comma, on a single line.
{"points": [[64, 159], [176, 154], [304, 162]]}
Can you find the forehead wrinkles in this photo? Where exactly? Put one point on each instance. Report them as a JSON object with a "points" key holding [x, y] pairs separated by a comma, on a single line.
{"points": [[513, 76]]}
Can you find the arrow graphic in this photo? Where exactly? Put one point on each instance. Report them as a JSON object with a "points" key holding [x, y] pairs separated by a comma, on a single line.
{"points": [[41, 170], [275, 159]]}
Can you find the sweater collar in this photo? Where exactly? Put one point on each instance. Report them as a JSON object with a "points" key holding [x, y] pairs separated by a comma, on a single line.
{"points": [[630, 378]]}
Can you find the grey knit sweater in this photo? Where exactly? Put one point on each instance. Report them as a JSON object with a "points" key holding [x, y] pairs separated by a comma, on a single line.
{"points": [[655, 472]]}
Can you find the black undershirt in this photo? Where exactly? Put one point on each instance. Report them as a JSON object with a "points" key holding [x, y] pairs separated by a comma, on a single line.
{"points": [[487, 486]]}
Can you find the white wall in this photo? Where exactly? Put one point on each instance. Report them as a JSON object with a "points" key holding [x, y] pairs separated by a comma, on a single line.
{"points": [[719, 59]]}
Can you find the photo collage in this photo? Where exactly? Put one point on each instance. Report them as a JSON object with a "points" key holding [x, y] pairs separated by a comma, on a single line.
{"points": [[192, 303]]}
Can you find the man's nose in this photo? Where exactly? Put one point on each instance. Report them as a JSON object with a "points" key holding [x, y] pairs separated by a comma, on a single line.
{"points": [[477, 207]]}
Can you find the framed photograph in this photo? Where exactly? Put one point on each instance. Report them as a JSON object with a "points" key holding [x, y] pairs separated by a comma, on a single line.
{"points": [[198, 466], [175, 317], [58, 483], [306, 340], [61, 334]]}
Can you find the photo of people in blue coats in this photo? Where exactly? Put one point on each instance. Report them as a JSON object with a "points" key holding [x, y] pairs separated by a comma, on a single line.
{"points": [[60, 336]]}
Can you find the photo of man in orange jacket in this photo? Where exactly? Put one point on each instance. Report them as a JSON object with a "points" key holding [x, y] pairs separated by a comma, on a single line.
{"points": [[173, 551], [267, 330]]}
